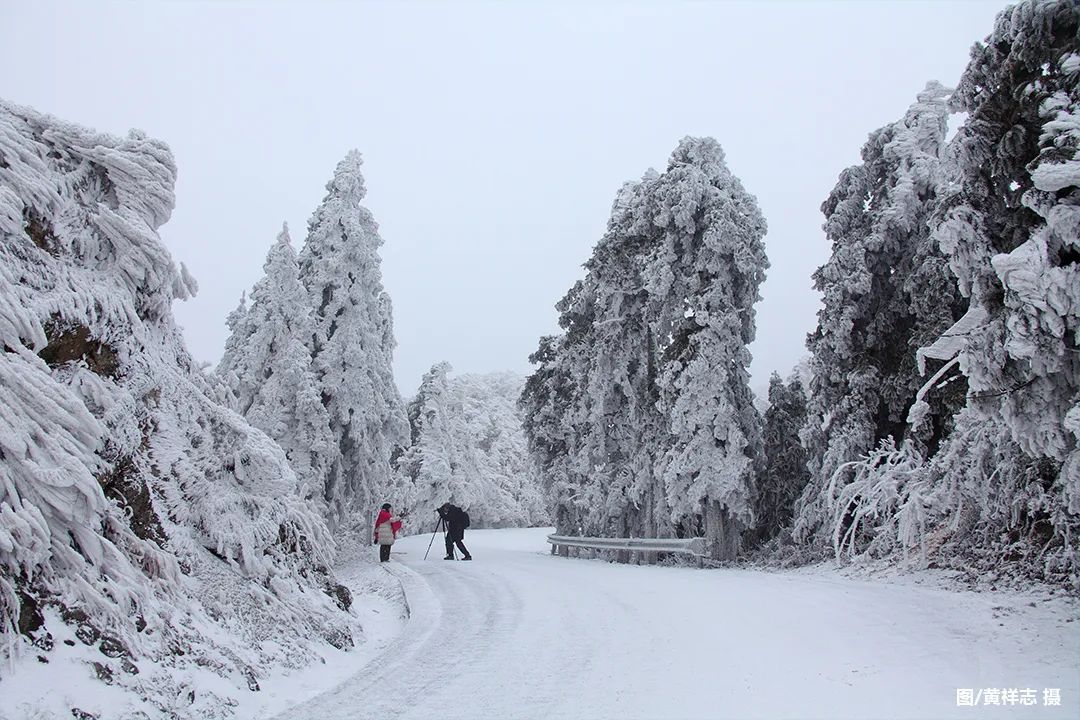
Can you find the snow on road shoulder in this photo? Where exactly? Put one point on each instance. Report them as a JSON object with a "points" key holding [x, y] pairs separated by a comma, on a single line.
{"points": [[379, 601], [34, 690]]}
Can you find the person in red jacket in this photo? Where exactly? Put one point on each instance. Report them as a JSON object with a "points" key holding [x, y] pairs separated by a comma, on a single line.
{"points": [[387, 526]]}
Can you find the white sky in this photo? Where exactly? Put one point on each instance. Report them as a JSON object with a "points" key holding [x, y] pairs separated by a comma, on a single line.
{"points": [[495, 135]]}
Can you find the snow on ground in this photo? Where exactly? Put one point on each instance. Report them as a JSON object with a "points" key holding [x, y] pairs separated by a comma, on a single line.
{"points": [[37, 691], [378, 600], [519, 633]]}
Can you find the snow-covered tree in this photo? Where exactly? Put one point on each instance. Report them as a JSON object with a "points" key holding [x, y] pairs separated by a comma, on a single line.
{"points": [[1010, 226], [640, 415], [886, 292], [353, 345], [625, 432], [548, 402], [592, 489], [784, 474], [998, 493], [510, 494], [708, 267], [439, 465], [235, 347], [151, 520], [269, 368], [468, 447]]}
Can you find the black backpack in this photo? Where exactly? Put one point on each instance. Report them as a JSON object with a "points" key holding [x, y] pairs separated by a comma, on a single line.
{"points": [[464, 519]]}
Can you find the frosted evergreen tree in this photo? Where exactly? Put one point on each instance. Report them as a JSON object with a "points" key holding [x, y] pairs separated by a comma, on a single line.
{"points": [[998, 495], [439, 465], [625, 430], [587, 493], [136, 510], [604, 412], [235, 347], [639, 416], [569, 440], [886, 292], [703, 283], [508, 493], [353, 345], [1011, 229], [784, 475], [547, 402], [272, 379]]}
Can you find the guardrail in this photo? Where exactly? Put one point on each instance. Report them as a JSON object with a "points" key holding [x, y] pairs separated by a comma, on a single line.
{"points": [[627, 548]]}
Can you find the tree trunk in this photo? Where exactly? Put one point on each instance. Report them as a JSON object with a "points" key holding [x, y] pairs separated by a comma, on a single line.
{"points": [[721, 532]]}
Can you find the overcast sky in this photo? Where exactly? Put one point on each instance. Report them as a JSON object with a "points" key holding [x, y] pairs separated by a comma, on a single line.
{"points": [[495, 135]]}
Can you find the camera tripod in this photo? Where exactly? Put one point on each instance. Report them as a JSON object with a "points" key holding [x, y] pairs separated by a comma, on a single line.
{"points": [[439, 525]]}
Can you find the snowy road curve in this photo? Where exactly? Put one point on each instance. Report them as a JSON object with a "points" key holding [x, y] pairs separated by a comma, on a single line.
{"points": [[521, 634]]}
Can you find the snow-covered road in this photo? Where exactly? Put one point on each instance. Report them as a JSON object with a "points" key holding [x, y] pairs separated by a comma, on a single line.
{"points": [[519, 633]]}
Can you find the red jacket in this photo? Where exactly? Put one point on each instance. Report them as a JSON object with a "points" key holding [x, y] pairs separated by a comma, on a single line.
{"points": [[385, 516]]}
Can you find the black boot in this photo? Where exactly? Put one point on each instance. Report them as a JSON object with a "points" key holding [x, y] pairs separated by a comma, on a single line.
{"points": [[467, 557], [451, 557]]}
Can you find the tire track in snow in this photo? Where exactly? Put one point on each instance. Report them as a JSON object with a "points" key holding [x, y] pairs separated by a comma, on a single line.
{"points": [[447, 632]]}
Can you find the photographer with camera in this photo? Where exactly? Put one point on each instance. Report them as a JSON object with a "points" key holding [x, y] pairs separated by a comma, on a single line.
{"points": [[456, 520]]}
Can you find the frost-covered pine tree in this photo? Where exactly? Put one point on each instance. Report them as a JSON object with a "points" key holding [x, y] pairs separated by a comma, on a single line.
{"points": [[468, 447], [703, 282], [548, 401], [784, 474], [137, 511], [439, 465], [235, 347], [269, 368], [600, 402], [353, 345], [640, 416], [886, 292], [1010, 226], [508, 494], [998, 494], [625, 429], [590, 507]]}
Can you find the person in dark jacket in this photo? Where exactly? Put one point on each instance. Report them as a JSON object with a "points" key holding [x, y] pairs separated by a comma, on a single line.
{"points": [[456, 522]]}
